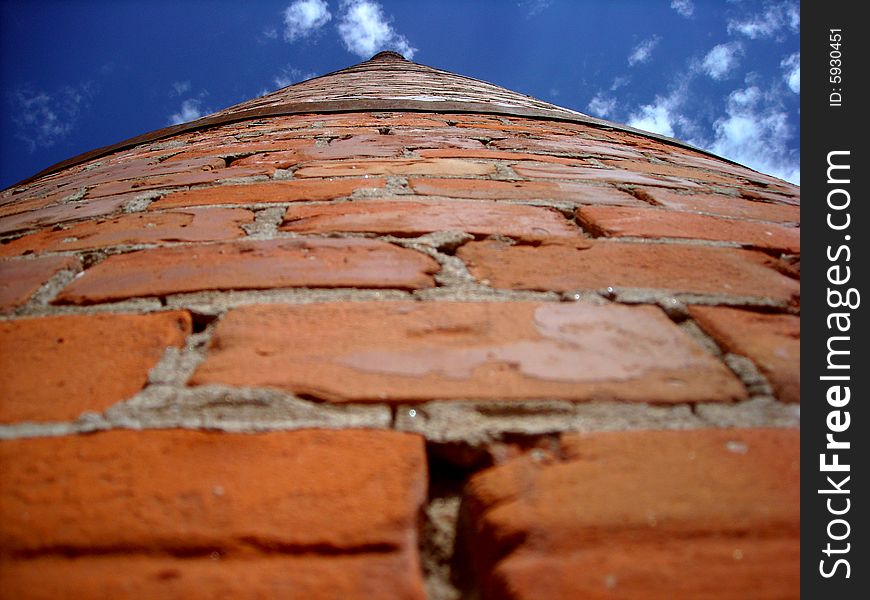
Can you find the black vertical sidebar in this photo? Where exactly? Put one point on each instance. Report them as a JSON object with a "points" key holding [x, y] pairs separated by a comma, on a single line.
{"points": [[835, 176]]}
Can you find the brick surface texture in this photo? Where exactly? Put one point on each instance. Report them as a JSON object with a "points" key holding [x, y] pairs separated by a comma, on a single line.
{"points": [[397, 333]]}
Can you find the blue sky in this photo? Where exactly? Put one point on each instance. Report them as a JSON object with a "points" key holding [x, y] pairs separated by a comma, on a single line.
{"points": [[723, 75]]}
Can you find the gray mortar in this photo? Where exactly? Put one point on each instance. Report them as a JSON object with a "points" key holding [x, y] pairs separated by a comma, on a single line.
{"points": [[266, 222], [756, 383], [755, 412], [664, 296], [216, 303], [478, 424], [141, 201], [436, 554], [49, 291]]}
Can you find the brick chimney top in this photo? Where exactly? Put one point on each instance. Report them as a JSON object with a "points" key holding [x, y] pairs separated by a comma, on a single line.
{"points": [[387, 55]]}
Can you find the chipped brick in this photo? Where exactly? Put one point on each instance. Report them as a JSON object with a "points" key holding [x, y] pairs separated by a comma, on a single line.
{"points": [[725, 206], [772, 341], [20, 279], [55, 368], [401, 351], [252, 265]]}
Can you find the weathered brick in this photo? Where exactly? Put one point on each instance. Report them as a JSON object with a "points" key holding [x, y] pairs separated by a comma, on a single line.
{"points": [[55, 368], [485, 189], [642, 515], [272, 191], [62, 213], [488, 154], [400, 351], [364, 576], [596, 265], [670, 170], [565, 145], [291, 512], [726, 206], [176, 179], [252, 265], [610, 175], [404, 217], [772, 341], [614, 221], [435, 167], [192, 225], [20, 279]]}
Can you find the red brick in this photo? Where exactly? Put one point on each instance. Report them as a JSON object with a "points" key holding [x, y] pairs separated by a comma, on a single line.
{"points": [[405, 351], [435, 167], [291, 512], [267, 264], [62, 213], [670, 170], [566, 145], [711, 514], [272, 191], [176, 179], [619, 176], [55, 368], [384, 146], [14, 205], [615, 221], [487, 154], [192, 225], [599, 265], [726, 206], [20, 279], [771, 341], [369, 576], [416, 217], [485, 189]]}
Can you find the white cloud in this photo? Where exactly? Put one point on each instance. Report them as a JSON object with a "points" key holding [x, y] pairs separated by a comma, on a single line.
{"points": [[191, 108], [365, 30], [721, 60], [684, 7], [792, 67], [179, 88], [42, 119], [755, 132], [601, 106], [774, 18], [534, 7], [643, 51], [658, 117], [290, 75], [303, 17]]}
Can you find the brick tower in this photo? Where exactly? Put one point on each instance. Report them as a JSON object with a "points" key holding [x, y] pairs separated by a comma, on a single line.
{"points": [[395, 333]]}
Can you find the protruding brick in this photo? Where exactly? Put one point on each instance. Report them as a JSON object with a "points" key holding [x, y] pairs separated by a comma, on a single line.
{"points": [[595, 265], [192, 225], [20, 279], [315, 262], [726, 206], [771, 341], [485, 189], [365, 576], [615, 221], [62, 213], [295, 512], [399, 351], [610, 175], [642, 515], [404, 217], [55, 368], [671, 170], [435, 167]]}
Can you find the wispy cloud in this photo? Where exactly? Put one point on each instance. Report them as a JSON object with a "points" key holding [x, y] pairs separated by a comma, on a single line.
{"points": [[365, 30], [42, 119], [601, 105], [722, 60], [685, 8], [290, 75], [643, 51], [534, 7], [179, 88], [792, 66], [754, 131], [660, 116], [304, 17], [773, 19]]}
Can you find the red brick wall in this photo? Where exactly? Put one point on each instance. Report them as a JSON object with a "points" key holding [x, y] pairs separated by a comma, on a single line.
{"points": [[384, 355]]}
